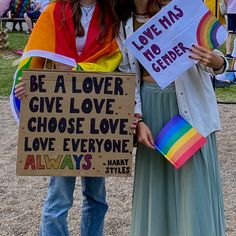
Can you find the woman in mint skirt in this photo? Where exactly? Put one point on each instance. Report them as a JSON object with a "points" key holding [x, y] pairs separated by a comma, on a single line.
{"points": [[166, 201]]}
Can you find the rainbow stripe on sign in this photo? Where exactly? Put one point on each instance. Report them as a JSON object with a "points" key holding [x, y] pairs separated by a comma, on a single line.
{"points": [[207, 31], [178, 141]]}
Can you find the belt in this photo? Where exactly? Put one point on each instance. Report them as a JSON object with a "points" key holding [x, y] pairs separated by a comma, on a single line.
{"points": [[149, 79]]}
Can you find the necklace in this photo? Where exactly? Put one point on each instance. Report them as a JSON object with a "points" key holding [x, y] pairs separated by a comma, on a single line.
{"points": [[87, 8]]}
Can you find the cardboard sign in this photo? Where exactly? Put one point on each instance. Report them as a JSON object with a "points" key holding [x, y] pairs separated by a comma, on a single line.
{"points": [[76, 124], [162, 44]]}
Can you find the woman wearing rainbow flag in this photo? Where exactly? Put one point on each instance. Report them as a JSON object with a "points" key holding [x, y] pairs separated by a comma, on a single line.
{"points": [[166, 201], [73, 34]]}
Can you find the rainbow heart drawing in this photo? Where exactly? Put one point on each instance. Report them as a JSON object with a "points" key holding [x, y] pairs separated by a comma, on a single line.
{"points": [[178, 141], [207, 31]]}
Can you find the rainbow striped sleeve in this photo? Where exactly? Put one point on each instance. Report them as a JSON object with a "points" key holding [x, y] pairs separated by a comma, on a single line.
{"points": [[178, 141]]}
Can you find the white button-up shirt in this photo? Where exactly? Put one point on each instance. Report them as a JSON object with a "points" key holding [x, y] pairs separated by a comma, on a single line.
{"points": [[195, 94]]}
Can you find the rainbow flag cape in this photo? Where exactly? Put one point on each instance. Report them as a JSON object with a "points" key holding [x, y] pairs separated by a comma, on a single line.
{"points": [[54, 37], [178, 141]]}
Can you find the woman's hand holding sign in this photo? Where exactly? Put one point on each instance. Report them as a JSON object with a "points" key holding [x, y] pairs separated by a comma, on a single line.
{"points": [[206, 57], [20, 89]]}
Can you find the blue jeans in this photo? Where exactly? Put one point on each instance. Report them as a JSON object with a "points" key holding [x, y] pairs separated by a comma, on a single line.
{"points": [[60, 199]]}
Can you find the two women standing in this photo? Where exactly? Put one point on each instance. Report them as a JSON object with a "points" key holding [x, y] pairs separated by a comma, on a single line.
{"points": [[166, 202]]}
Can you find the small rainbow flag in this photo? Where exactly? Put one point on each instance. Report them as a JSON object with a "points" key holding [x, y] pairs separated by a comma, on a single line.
{"points": [[178, 141]]}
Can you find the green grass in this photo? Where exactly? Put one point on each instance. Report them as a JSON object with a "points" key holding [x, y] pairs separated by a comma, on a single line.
{"points": [[226, 94], [7, 57], [18, 41]]}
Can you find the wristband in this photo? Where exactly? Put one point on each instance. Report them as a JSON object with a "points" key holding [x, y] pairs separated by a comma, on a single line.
{"points": [[223, 67], [140, 120]]}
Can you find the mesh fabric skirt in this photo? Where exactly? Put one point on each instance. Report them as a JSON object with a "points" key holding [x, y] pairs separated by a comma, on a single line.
{"points": [[170, 202]]}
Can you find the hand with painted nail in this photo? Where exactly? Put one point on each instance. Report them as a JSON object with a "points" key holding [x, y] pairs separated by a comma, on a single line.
{"points": [[206, 57], [20, 89], [144, 135]]}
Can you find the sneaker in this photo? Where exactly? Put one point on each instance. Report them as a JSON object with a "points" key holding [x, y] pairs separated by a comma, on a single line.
{"points": [[228, 56]]}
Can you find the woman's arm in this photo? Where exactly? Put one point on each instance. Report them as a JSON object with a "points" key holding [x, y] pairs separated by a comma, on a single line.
{"points": [[126, 68], [144, 135], [139, 127]]}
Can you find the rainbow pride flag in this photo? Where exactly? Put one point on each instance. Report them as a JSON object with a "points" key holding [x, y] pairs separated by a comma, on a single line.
{"points": [[54, 38], [178, 141]]}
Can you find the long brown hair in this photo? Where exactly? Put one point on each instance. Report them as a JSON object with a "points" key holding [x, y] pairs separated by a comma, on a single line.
{"points": [[124, 8], [105, 11], [153, 6]]}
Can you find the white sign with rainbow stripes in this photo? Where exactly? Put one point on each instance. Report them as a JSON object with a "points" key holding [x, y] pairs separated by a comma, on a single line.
{"points": [[162, 44]]}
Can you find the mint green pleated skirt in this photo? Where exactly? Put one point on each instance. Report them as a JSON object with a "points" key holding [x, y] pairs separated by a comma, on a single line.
{"points": [[170, 202]]}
